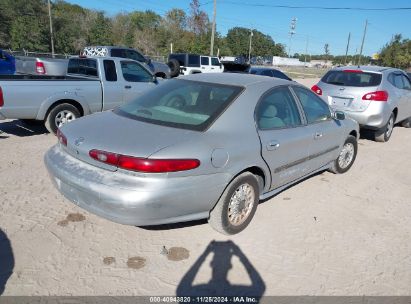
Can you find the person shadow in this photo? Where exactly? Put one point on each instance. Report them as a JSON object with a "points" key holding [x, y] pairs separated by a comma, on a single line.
{"points": [[221, 263], [6, 260]]}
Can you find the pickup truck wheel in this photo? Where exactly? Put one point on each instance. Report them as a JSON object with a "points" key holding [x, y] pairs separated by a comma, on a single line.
{"points": [[60, 115], [236, 207], [346, 157], [384, 134], [406, 123]]}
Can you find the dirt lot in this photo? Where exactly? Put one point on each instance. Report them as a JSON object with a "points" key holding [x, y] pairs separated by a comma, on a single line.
{"points": [[329, 235]]}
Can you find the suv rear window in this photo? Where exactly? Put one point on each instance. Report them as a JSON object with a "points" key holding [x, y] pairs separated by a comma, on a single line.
{"points": [[82, 66], [181, 104], [352, 79]]}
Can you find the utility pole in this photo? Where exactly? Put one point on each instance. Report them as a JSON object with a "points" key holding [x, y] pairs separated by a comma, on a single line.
{"points": [[249, 49], [346, 50], [306, 50], [292, 32], [213, 29], [362, 43], [51, 30]]}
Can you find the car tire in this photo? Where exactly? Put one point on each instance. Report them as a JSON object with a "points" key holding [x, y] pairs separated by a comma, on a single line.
{"points": [[384, 134], [406, 123], [232, 213], [174, 66], [347, 156], [59, 115]]}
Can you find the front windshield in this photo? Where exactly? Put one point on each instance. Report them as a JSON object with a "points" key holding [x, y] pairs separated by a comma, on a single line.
{"points": [[183, 104]]}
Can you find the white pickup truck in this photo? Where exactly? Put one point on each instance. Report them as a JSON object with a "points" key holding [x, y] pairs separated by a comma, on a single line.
{"points": [[92, 84]]}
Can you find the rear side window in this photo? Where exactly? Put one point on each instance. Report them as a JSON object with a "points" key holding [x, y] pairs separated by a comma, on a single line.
{"points": [[277, 109], [110, 70], [193, 60], [205, 61], [83, 66], [352, 79], [182, 104], [315, 109], [399, 81]]}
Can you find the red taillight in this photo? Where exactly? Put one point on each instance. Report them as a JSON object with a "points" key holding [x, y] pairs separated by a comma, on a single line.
{"points": [[317, 90], [352, 71], [376, 96], [1, 98], [156, 165], [144, 164], [61, 138], [105, 157], [40, 69]]}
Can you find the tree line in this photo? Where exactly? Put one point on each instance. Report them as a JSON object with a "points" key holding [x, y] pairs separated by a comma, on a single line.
{"points": [[24, 24]]}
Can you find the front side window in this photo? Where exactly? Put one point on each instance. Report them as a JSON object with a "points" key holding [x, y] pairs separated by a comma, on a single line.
{"points": [[133, 72], [315, 109], [215, 61], [276, 110], [181, 104], [110, 70]]}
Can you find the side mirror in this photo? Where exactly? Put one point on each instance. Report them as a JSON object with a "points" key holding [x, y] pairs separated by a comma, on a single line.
{"points": [[338, 115]]}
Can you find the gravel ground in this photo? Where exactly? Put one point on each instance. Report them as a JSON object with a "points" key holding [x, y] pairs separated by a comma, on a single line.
{"points": [[329, 235]]}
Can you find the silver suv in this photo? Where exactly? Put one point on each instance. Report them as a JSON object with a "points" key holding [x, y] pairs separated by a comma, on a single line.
{"points": [[376, 97]]}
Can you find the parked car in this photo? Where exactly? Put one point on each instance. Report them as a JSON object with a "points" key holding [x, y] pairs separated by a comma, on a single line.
{"points": [[186, 64], [159, 69], [200, 146], [41, 66], [376, 97], [269, 72], [7, 63], [92, 84]]}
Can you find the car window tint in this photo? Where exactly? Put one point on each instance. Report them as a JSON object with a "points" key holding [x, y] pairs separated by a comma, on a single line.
{"points": [[193, 60], [205, 61], [134, 72], [182, 104], [179, 57], [280, 75], [110, 70], [407, 83], [215, 61], [398, 81], [118, 53], [315, 108], [352, 79], [266, 73], [83, 66], [277, 109], [131, 54]]}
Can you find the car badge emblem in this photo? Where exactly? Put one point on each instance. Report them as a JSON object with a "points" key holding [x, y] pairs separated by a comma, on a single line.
{"points": [[79, 141]]}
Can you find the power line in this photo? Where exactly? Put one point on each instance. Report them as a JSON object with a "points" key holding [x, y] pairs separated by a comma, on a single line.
{"points": [[320, 7]]}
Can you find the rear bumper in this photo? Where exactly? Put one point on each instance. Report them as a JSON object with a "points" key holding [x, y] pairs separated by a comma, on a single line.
{"points": [[374, 117], [133, 200]]}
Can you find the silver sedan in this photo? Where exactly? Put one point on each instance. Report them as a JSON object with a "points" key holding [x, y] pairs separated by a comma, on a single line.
{"points": [[201, 146], [376, 97]]}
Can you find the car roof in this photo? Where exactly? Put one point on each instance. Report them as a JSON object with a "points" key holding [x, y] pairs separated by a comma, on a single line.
{"points": [[365, 68], [236, 79]]}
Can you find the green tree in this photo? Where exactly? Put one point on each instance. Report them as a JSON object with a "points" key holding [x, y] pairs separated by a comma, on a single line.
{"points": [[397, 53]]}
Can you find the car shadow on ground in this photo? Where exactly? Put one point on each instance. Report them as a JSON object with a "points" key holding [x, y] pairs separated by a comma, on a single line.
{"points": [[21, 129], [175, 225], [222, 262], [6, 260]]}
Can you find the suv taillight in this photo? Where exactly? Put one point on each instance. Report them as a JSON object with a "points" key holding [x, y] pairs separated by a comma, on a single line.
{"points": [[144, 164], [40, 69], [1, 98], [376, 96], [317, 90]]}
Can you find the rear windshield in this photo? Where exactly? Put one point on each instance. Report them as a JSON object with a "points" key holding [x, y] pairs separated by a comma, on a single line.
{"points": [[181, 104], [86, 67], [352, 79]]}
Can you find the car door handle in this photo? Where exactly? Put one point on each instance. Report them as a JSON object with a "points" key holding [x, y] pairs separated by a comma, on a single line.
{"points": [[273, 145], [318, 135], [127, 87]]}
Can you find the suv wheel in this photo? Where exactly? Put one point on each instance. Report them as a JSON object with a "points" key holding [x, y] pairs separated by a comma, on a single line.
{"points": [[384, 134], [174, 66]]}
